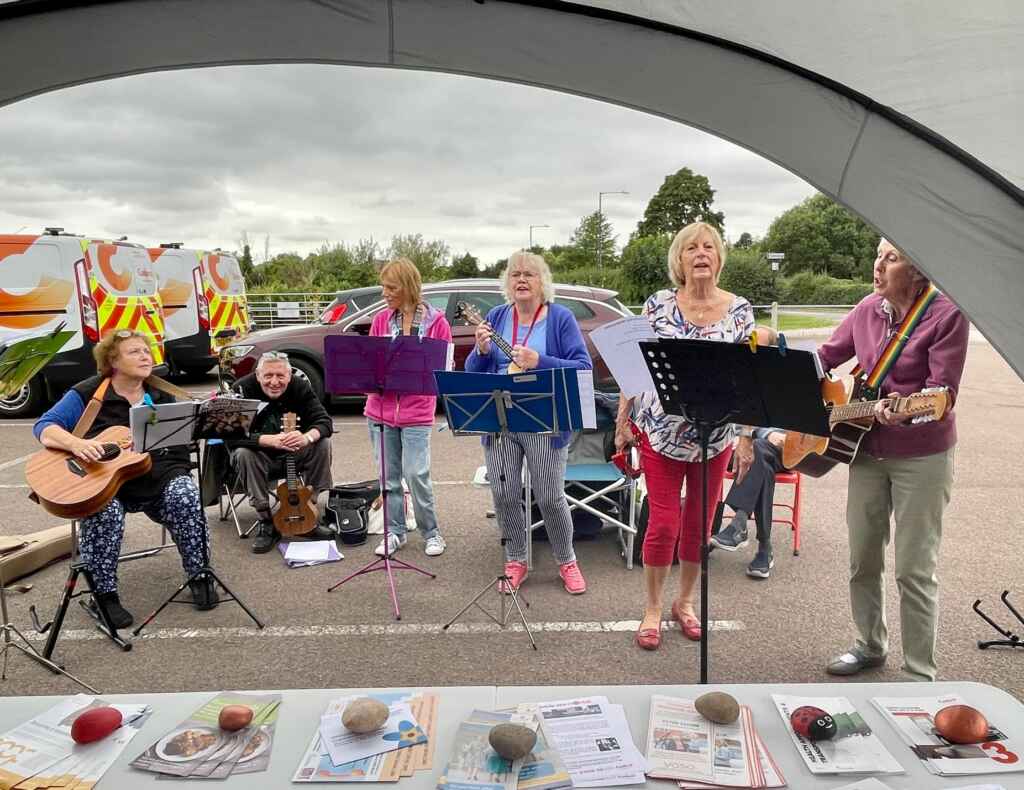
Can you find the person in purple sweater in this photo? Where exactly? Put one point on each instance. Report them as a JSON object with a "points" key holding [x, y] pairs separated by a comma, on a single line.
{"points": [[900, 481], [542, 335], [408, 419]]}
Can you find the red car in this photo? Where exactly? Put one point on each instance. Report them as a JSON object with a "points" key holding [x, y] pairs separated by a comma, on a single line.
{"points": [[305, 344]]}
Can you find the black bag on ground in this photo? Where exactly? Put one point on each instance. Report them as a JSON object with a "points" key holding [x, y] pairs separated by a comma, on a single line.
{"points": [[348, 505]]}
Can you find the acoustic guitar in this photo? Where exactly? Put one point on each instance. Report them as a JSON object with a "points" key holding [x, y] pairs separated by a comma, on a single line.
{"points": [[69, 487], [850, 420], [472, 315], [296, 512]]}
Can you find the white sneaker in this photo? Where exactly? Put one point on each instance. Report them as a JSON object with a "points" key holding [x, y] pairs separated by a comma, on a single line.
{"points": [[435, 546], [394, 544]]}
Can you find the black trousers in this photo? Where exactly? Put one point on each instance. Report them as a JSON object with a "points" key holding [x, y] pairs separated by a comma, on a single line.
{"points": [[755, 493]]}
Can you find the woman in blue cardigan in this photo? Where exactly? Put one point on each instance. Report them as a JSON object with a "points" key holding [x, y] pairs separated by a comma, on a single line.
{"points": [[542, 335]]}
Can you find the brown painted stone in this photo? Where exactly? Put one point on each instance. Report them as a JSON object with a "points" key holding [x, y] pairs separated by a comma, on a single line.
{"points": [[512, 741], [717, 706], [364, 715]]}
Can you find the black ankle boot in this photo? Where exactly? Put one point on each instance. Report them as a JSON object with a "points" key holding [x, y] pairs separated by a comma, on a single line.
{"points": [[111, 604], [204, 593], [264, 536]]}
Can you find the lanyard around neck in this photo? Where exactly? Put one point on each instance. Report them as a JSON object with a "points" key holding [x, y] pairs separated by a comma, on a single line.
{"points": [[515, 324]]}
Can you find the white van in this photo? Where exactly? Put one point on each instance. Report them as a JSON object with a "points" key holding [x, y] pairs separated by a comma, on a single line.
{"points": [[93, 286], [203, 297]]}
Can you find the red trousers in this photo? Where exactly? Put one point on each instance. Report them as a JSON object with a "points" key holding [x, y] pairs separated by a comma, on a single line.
{"points": [[668, 523]]}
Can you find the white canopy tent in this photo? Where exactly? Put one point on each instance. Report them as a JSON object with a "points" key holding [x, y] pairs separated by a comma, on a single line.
{"points": [[909, 112]]}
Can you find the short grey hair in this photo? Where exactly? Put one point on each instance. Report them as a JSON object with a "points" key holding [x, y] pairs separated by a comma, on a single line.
{"points": [[272, 356], [547, 284]]}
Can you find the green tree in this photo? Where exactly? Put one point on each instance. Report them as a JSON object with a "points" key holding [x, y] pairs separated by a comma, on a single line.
{"points": [[593, 234], [748, 274], [745, 241], [429, 256], [644, 267], [819, 235], [465, 265], [683, 197]]}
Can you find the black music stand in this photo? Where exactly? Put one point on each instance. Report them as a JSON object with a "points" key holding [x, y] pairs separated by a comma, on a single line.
{"points": [[712, 384], [404, 365], [541, 401], [188, 432]]}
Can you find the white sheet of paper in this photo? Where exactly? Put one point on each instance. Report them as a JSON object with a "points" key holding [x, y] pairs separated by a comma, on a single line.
{"points": [[618, 342], [586, 385], [309, 551], [345, 747], [173, 428]]}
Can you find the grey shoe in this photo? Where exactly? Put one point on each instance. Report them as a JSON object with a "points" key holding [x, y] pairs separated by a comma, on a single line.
{"points": [[852, 662], [731, 538], [760, 567]]}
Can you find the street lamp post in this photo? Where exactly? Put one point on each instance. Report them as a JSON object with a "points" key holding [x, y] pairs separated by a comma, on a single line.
{"points": [[531, 233], [600, 222]]}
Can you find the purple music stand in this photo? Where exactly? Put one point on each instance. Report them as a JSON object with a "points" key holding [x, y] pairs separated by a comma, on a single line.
{"points": [[404, 365]]}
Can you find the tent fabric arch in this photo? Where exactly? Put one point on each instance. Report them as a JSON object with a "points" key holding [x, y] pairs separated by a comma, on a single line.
{"points": [[909, 115]]}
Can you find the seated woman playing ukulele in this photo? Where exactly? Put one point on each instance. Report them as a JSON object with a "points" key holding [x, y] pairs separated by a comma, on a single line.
{"points": [[167, 493]]}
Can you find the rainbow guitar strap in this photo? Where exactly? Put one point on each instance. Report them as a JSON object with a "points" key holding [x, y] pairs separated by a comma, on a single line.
{"points": [[872, 383]]}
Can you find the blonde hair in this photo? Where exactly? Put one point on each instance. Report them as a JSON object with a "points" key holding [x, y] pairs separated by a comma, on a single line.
{"points": [[684, 237], [408, 277], [520, 257], [107, 350]]}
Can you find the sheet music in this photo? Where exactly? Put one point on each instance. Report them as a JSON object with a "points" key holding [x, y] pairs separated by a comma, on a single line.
{"points": [[586, 385], [618, 342], [164, 425]]}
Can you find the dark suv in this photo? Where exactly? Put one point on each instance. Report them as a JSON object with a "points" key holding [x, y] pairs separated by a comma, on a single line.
{"points": [[305, 344]]}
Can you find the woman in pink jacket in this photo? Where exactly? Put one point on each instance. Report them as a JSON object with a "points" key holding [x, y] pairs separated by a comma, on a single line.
{"points": [[408, 419]]}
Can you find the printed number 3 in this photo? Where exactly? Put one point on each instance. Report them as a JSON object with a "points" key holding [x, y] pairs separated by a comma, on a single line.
{"points": [[1002, 755]]}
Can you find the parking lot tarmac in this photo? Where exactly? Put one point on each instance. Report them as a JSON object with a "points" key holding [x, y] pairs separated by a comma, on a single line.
{"points": [[783, 629]]}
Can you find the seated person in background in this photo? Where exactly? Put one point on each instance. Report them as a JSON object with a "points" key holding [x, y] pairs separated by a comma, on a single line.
{"points": [[753, 495], [267, 443], [167, 493]]}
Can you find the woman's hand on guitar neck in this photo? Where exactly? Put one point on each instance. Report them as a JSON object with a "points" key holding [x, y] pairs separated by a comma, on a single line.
{"points": [[885, 415], [525, 357], [483, 338]]}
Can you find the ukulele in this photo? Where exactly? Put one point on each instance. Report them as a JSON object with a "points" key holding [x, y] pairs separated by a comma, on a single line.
{"points": [[472, 315], [296, 512], [69, 487], [849, 421]]}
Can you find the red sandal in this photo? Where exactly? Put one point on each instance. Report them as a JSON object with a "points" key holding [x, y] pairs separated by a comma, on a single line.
{"points": [[690, 625], [649, 638]]}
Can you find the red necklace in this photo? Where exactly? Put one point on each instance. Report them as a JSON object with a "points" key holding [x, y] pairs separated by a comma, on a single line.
{"points": [[515, 324]]}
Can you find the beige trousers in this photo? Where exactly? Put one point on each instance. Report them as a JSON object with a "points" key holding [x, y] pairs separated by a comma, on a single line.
{"points": [[911, 493]]}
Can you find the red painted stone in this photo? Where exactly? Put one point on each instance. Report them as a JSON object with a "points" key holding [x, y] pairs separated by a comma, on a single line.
{"points": [[95, 724]]}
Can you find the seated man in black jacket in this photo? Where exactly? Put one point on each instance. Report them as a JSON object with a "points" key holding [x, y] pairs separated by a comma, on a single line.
{"points": [[268, 442]]}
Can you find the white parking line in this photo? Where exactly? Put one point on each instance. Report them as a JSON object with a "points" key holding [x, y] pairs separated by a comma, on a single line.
{"points": [[388, 629], [15, 461]]}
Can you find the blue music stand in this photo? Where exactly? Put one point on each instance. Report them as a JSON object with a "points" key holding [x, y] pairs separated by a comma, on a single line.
{"points": [[404, 365], [537, 401]]}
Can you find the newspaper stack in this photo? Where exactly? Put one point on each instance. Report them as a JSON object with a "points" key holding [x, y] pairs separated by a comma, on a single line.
{"points": [[474, 765], [855, 749], [697, 753], [404, 745], [913, 720], [199, 749], [593, 738], [42, 751]]}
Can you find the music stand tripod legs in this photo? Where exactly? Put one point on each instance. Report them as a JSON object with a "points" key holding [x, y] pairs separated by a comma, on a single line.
{"points": [[386, 562], [507, 602], [27, 648]]}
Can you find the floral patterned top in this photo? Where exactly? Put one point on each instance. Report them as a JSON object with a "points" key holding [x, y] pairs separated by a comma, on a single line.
{"points": [[668, 434]]}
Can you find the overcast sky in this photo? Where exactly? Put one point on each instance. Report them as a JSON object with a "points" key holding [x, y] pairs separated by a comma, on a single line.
{"points": [[312, 154]]}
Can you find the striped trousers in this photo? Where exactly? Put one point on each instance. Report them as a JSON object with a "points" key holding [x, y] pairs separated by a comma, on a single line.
{"points": [[504, 459]]}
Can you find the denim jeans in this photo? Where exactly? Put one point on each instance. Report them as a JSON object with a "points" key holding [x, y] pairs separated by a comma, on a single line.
{"points": [[407, 454]]}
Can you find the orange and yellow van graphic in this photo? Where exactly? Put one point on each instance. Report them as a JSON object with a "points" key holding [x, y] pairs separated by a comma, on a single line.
{"points": [[39, 304]]}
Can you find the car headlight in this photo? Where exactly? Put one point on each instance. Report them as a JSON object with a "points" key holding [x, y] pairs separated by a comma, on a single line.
{"points": [[234, 352]]}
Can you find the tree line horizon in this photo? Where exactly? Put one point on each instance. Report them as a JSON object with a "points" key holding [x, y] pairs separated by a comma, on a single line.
{"points": [[829, 253]]}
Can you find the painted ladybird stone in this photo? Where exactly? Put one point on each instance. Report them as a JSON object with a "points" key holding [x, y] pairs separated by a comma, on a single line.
{"points": [[813, 723]]}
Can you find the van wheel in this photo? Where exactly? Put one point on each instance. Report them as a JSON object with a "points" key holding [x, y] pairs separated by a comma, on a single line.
{"points": [[25, 402], [312, 375]]}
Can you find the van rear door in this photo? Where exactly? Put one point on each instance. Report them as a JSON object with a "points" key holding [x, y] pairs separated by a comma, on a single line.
{"points": [[225, 294], [36, 287], [124, 287]]}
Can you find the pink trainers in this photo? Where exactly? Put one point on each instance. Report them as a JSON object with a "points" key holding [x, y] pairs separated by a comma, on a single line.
{"points": [[573, 579], [516, 572]]}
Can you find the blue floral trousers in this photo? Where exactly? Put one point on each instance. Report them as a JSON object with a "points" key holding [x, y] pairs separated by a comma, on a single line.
{"points": [[177, 507]]}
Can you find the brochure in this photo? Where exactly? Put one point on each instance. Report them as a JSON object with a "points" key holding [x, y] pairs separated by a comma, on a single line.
{"points": [[854, 749], [400, 731], [473, 764], [912, 717]]}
